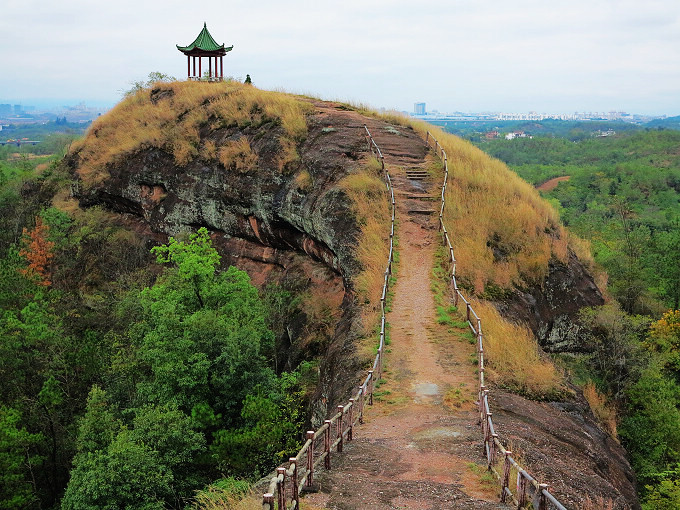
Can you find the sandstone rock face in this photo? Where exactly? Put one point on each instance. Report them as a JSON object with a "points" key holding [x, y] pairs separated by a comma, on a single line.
{"points": [[564, 446], [282, 230], [551, 310]]}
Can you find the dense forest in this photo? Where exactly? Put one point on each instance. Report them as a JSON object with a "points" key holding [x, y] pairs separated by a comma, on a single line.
{"points": [[133, 376], [622, 194]]}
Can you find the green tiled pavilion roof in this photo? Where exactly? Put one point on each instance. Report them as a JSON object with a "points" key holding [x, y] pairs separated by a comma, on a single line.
{"points": [[204, 42]]}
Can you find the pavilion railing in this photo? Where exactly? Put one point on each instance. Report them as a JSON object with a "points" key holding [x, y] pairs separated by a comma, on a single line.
{"points": [[284, 489], [528, 489], [206, 78]]}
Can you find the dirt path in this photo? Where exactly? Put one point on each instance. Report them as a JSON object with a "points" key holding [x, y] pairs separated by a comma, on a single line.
{"points": [[420, 445], [551, 184]]}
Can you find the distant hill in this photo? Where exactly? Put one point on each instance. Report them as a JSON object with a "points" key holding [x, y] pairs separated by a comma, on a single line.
{"points": [[571, 129], [667, 123]]}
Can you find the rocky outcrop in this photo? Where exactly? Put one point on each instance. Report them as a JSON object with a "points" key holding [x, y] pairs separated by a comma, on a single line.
{"points": [[262, 206], [564, 446], [551, 310], [291, 228]]}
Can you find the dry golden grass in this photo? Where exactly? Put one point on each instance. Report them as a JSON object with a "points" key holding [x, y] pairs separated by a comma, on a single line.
{"points": [[503, 232], [303, 180], [605, 413], [237, 155], [169, 116], [214, 500], [65, 202], [513, 358], [370, 205]]}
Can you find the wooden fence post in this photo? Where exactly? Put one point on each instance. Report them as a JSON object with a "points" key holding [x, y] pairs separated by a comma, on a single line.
{"points": [[467, 312], [295, 489], [521, 490], [542, 500], [268, 499], [494, 438], [341, 410], [350, 414], [487, 434], [361, 405], [370, 387], [281, 487], [506, 475], [310, 459], [327, 444], [482, 389]]}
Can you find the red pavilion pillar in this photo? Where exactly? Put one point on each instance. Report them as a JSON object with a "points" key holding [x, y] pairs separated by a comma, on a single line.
{"points": [[188, 67], [200, 73], [210, 67], [221, 67]]}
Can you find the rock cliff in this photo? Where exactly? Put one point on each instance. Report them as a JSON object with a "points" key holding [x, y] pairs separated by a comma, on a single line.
{"points": [[291, 224]]}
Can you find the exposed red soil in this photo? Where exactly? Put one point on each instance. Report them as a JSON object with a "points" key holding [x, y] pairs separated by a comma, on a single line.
{"points": [[551, 184]]}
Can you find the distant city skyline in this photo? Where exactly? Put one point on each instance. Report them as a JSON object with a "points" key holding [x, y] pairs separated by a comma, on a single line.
{"points": [[457, 55], [12, 109]]}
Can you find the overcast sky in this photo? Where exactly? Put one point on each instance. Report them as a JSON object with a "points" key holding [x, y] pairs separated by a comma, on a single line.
{"points": [[456, 55]]}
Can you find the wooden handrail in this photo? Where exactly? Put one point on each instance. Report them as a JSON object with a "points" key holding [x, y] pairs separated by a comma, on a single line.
{"points": [[302, 473], [491, 441]]}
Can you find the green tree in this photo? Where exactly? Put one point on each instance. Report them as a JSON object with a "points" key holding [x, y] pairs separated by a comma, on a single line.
{"points": [[650, 428], [195, 260], [17, 459], [667, 251], [664, 495], [616, 339], [154, 77], [148, 464], [269, 431], [124, 475]]}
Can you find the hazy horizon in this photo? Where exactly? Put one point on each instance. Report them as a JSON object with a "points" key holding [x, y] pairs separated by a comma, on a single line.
{"points": [[528, 55]]}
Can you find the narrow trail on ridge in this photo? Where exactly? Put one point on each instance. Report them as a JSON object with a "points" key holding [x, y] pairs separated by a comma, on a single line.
{"points": [[420, 444]]}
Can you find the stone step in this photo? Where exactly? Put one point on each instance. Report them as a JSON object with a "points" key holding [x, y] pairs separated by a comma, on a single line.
{"points": [[415, 175], [422, 197]]}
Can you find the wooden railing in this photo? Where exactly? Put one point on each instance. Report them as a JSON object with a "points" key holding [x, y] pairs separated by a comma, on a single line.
{"points": [[527, 488], [284, 488]]}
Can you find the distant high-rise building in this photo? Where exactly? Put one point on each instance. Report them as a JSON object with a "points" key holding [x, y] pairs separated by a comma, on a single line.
{"points": [[5, 109], [419, 108], [18, 109]]}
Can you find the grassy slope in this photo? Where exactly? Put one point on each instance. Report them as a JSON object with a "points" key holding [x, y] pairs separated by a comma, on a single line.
{"points": [[504, 233], [170, 116]]}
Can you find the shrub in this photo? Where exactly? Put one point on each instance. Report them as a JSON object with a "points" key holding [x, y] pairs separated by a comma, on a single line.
{"points": [[604, 413]]}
